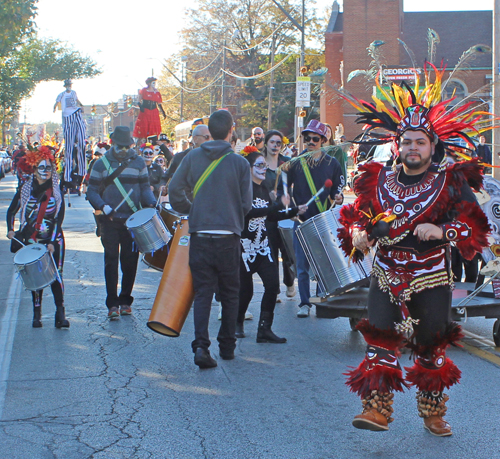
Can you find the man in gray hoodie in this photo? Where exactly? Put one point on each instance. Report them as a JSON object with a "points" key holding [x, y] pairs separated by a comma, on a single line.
{"points": [[216, 219]]}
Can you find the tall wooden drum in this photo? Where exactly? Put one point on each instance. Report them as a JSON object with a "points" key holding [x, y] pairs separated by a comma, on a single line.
{"points": [[175, 292]]}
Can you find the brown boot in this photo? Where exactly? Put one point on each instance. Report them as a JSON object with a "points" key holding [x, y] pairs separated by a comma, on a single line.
{"points": [[377, 410], [432, 407]]}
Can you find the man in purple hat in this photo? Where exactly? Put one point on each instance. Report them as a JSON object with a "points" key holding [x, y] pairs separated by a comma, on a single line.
{"points": [[306, 175]]}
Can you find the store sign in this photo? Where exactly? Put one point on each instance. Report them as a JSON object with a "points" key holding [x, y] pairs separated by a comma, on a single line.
{"points": [[303, 92], [401, 74]]}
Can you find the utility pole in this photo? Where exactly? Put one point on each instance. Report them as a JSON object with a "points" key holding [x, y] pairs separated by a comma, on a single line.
{"points": [[495, 89], [271, 84], [222, 93], [183, 60]]}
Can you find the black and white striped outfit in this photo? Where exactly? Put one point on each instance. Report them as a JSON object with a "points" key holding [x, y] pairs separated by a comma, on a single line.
{"points": [[74, 130]]}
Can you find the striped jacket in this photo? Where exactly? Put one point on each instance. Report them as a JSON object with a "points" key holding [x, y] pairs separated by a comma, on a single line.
{"points": [[134, 176]]}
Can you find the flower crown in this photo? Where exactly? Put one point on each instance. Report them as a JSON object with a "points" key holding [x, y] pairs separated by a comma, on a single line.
{"points": [[248, 149], [43, 152]]}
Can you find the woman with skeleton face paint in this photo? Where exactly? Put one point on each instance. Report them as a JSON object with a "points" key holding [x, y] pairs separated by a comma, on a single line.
{"points": [[256, 256], [41, 208]]}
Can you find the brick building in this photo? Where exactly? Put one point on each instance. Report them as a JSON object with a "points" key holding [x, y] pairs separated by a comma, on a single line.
{"points": [[364, 21]]}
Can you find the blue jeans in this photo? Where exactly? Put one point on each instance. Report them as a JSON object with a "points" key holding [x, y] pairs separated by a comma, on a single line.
{"points": [[302, 269]]}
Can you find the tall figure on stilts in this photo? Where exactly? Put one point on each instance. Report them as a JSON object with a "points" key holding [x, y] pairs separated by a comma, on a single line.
{"points": [[74, 130], [148, 122]]}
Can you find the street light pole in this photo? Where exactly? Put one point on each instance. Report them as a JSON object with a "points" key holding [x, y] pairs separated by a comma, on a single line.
{"points": [[183, 60], [222, 93]]}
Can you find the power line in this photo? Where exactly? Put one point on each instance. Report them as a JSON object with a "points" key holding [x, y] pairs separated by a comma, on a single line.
{"points": [[206, 67], [258, 44], [259, 75]]}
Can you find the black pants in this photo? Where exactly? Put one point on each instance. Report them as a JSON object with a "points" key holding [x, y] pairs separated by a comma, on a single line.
{"points": [[56, 286], [432, 307], [268, 272], [277, 245], [469, 266], [118, 247], [215, 261]]}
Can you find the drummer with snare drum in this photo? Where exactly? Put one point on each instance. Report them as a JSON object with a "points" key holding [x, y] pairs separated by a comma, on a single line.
{"points": [[118, 187], [41, 208], [306, 175]]}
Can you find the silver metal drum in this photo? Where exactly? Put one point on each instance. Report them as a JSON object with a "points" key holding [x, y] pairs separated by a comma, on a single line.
{"points": [[148, 230], [36, 266], [332, 269], [286, 230]]}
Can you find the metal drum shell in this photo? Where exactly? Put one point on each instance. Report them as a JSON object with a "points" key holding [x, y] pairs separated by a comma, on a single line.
{"points": [[175, 293], [36, 267], [148, 230], [285, 228], [332, 269]]}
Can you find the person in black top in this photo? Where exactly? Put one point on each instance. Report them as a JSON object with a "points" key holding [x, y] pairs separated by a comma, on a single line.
{"points": [[41, 205], [257, 256], [163, 142], [484, 153], [156, 175]]}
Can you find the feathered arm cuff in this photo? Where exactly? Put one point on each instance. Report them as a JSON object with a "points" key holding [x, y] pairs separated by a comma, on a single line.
{"points": [[349, 219], [469, 230]]}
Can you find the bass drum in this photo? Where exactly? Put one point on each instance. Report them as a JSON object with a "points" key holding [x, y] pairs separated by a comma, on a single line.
{"points": [[157, 259], [170, 216], [36, 266]]}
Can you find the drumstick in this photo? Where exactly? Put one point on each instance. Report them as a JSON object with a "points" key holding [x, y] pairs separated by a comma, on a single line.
{"points": [[328, 184], [15, 239], [124, 199], [285, 187]]}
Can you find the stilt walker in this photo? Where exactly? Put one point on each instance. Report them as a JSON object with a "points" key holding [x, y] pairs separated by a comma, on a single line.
{"points": [[414, 210], [74, 130]]}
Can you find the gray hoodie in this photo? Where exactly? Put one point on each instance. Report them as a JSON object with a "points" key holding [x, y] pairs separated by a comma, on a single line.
{"points": [[226, 196]]}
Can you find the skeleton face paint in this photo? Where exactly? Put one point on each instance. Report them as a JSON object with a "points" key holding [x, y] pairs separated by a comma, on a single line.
{"points": [[259, 170], [43, 171]]}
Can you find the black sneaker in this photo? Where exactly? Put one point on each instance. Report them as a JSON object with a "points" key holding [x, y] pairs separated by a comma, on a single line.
{"points": [[226, 355]]}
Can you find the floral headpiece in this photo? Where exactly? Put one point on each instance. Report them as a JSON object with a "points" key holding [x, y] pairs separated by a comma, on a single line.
{"points": [[248, 149], [43, 152], [146, 146], [285, 140]]}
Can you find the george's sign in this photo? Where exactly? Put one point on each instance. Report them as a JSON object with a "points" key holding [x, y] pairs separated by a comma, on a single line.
{"points": [[401, 74]]}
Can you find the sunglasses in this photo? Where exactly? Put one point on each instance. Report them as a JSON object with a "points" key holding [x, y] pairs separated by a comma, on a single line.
{"points": [[315, 139], [44, 168], [148, 153], [159, 161], [262, 166]]}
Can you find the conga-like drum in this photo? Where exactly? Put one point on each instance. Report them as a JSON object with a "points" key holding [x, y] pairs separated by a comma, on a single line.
{"points": [[332, 269], [175, 292], [148, 230], [36, 266]]}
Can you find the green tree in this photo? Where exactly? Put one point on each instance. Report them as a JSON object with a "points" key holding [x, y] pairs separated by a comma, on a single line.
{"points": [[16, 23]]}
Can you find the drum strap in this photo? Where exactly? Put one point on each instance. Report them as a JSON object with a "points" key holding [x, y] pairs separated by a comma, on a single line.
{"points": [[119, 185], [41, 213], [312, 186], [207, 173]]}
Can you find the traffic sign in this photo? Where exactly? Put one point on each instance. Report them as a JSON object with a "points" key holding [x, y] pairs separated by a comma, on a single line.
{"points": [[303, 92]]}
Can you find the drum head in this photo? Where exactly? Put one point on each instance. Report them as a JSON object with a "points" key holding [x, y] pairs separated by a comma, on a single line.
{"points": [[140, 217], [29, 254], [286, 224], [168, 208]]}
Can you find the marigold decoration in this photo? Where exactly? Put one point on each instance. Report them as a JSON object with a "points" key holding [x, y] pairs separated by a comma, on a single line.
{"points": [[146, 145], [33, 157], [286, 141], [248, 149]]}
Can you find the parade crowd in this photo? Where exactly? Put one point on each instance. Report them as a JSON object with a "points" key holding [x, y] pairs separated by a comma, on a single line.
{"points": [[407, 215]]}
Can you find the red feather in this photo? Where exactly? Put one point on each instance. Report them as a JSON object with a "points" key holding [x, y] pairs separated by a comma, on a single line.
{"points": [[473, 216], [435, 380]]}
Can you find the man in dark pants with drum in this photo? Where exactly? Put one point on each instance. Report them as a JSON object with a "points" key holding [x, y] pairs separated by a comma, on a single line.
{"points": [[116, 200], [221, 199]]}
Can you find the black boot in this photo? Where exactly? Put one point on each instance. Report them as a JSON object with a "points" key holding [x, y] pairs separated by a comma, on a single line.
{"points": [[61, 321], [264, 332], [37, 317], [240, 331]]}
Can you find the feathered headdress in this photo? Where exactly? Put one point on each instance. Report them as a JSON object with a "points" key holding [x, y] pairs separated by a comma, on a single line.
{"points": [[401, 108]]}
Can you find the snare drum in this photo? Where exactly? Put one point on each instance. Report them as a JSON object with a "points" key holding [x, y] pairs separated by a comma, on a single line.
{"points": [[332, 269], [36, 266], [148, 230], [170, 216]]}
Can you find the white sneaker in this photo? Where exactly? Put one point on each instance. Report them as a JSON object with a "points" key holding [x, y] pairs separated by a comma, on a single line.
{"points": [[304, 311], [278, 299], [248, 315], [290, 291], [220, 312]]}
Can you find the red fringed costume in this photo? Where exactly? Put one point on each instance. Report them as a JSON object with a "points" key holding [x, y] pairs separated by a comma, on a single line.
{"points": [[148, 122]]}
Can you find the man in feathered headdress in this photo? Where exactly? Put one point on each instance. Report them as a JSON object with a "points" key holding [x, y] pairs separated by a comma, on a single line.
{"points": [[429, 204]]}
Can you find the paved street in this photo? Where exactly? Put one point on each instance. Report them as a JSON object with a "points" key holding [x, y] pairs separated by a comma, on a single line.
{"points": [[106, 390]]}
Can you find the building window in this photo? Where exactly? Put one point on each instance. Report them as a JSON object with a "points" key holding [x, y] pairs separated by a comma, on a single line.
{"points": [[456, 88]]}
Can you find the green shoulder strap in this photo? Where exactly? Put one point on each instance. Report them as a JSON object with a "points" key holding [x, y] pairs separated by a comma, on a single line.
{"points": [[207, 173], [119, 185], [312, 187]]}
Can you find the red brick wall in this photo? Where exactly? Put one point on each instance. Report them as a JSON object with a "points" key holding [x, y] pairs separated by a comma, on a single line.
{"points": [[332, 111]]}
